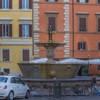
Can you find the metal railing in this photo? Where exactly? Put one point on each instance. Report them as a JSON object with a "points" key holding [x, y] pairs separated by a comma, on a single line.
{"points": [[60, 87]]}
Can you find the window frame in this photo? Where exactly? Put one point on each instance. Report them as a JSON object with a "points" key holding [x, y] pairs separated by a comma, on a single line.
{"points": [[5, 4], [50, 14], [6, 30], [97, 28], [22, 56], [83, 47], [21, 31], [83, 16], [98, 2], [9, 58], [25, 30], [25, 4]]}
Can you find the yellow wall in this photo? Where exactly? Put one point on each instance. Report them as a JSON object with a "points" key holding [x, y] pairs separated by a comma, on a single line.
{"points": [[15, 43]]}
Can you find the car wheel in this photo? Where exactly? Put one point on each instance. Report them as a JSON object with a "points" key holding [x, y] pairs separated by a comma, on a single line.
{"points": [[10, 96], [27, 95]]}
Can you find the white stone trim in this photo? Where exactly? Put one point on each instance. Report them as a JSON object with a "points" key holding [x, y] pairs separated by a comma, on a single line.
{"points": [[66, 28], [36, 27]]}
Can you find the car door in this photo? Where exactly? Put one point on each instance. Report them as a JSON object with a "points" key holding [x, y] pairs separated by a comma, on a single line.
{"points": [[21, 87], [14, 86]]}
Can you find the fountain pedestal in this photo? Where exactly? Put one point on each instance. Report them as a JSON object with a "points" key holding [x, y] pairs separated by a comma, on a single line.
{"points": [[50, 48]]}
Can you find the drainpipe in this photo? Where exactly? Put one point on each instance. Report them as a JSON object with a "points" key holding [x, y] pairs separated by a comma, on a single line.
{"points": [[73, 28], [32, 30]]}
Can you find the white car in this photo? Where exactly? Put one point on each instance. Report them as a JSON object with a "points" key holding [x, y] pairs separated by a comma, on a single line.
{"points": [[13, 87]]}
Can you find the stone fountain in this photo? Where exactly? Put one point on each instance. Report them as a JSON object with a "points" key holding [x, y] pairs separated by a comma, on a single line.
{"points": [[49, 69]]}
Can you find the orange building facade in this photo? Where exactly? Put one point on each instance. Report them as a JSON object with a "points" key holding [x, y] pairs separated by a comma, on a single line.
{"points": [[52, 14], [75, 22], [85, 29]]}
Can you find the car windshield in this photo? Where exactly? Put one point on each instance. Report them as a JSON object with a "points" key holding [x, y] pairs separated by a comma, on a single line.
{"points": [[3, 79]]}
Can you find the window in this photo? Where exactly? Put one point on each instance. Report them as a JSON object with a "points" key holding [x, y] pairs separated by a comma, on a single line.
{"points": [[82, 24], [81, 46], [6, 70], [3, 79], [98, 46], [18, 81], [6, 55], [98, 67], [12, 80], [51, 0], [98, 1], [25, 4], [5, 30], [82, 1], [98, 24], [51, 23], [25, 30], [5, 4], [25, 55]]}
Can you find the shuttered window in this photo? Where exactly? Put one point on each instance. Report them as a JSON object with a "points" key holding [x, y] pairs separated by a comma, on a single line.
{"points": [[25, 54], [25, 30], [98, 29], [98, 1], [51, 23], [82, 46], [5, 4], [0, 4], [98, 46], [6, 55], [5, 30], [0, 30], [25, 4], [82, 24]]}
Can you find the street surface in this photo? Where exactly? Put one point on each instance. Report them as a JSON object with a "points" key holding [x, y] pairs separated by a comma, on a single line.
{"points": [[65, 98]]}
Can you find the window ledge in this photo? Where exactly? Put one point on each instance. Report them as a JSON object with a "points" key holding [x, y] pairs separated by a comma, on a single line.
{"points": [[84, 13], [24, 10]]}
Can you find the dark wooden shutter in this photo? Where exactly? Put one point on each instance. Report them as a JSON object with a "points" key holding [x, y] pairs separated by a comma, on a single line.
{"points": [[87, 1], [77, 0], [98, 46], [52, 22], [0, 4], [10, 34], [30, 4], [20, 30], [30, 30], [56, 0], [6, 55], [82, 24], [98, 24], [78, 45], [10, 4], [98, 1], [20, 4], [25, 55], [84, 45], [0, 30], [46, 0]]}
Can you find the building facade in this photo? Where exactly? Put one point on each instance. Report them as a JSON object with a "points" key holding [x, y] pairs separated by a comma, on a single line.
{"points": [[85, 29], [52, 14], [15, 34]]}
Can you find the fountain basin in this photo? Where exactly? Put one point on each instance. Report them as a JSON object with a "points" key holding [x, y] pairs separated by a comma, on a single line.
{"points": [[44, 70]]}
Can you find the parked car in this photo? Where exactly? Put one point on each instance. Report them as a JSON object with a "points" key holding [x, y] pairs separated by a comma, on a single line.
{"points": [[13, 87]]}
